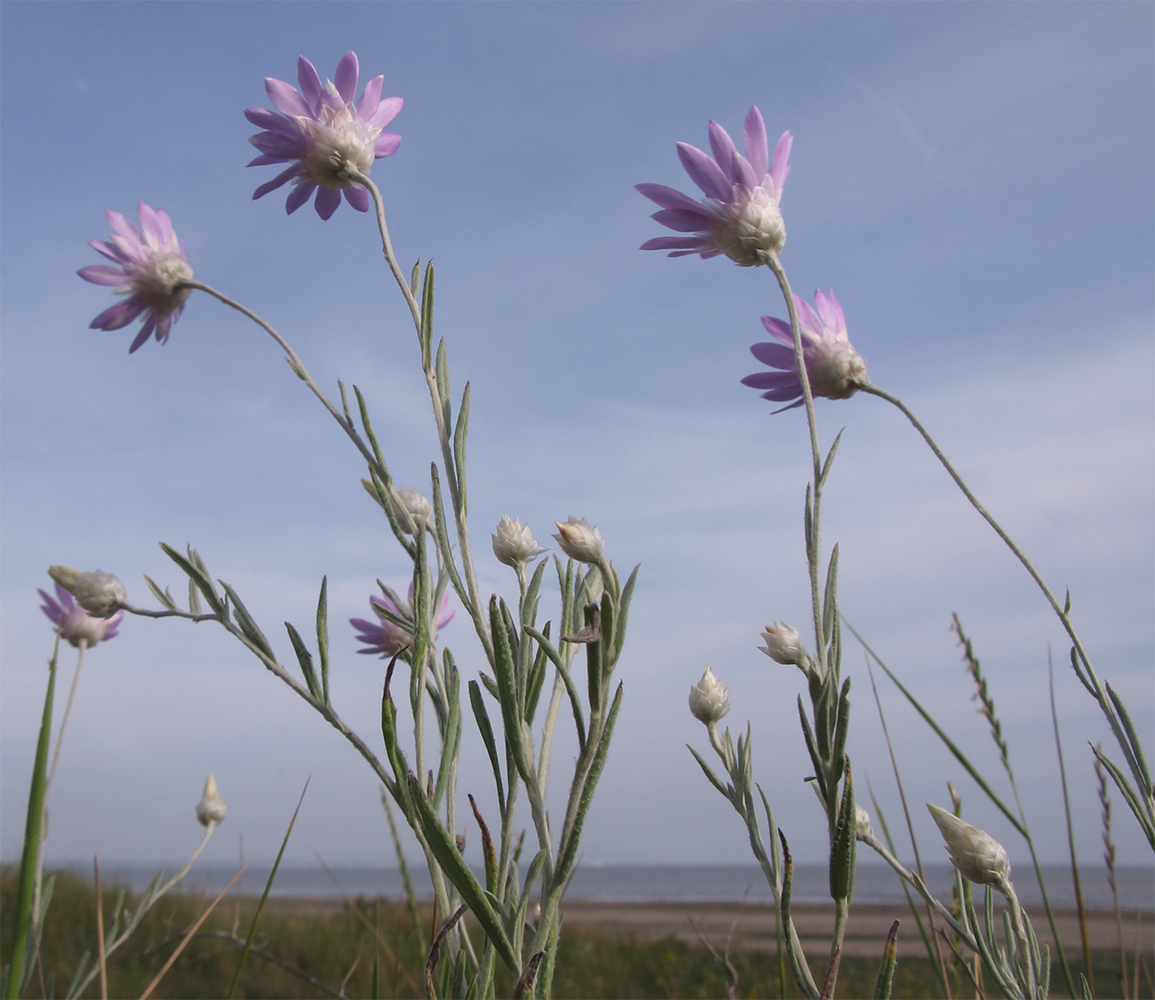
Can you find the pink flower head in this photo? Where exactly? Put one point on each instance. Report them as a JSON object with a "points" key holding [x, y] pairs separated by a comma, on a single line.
{"points": [[151, 268], [322, 134], [833, 366], [741, 215], [385, 637], [74, 623]]}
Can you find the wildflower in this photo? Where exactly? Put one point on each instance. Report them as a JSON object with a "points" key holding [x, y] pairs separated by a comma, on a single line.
{"points": [[74, 623], [99, 593], [709, 700], [211, 809], [974, 852], [151, 268], [784, 645], [741, 216], [513, 543], [386, 637], [862, 827], [579, 540], [323, 134], [833, 366], [414, 511]]}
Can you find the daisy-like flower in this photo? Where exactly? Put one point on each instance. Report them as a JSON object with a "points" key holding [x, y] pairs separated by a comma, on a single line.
{"points": [[385, 637], [741, 216], [150, 267], [833, 366], [322, 133], [74, 623]]}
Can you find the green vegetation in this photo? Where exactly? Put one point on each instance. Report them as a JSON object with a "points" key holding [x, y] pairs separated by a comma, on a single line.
{"points": [[330, 942]]}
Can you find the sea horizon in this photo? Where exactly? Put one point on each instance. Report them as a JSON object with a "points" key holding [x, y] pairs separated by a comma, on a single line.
{"points": [[633, 883]]}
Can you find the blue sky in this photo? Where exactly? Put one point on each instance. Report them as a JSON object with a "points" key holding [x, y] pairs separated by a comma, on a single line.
{"points": [[975, 181]]}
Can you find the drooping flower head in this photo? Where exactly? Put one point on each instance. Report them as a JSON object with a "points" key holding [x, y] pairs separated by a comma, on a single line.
{"points": [[784, 645], [151, 265], [321, 132], [833, 366], [385, 637], [74, 623], [709, 699], [99, 593], [741, 215]]}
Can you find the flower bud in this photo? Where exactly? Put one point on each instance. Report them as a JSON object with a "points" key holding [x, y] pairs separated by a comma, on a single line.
{"points": [[974, 852], [784, 645], [513, 543], [99, 593], [579, 540], [211, 809], [77, 626], [709, 700], [414, 511], [862, 828]]}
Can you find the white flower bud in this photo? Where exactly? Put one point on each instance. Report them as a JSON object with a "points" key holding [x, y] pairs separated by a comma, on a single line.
{"points": [[862, 828], [99, 593], [414, 511], [974, 852], [513, 543], [579, 540], [709, 700], [784, 644], [211, 809]]}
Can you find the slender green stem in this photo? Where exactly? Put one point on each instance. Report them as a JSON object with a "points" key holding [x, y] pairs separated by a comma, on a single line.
{"points": [[81, 649], [1141, 777], [33, 826]]}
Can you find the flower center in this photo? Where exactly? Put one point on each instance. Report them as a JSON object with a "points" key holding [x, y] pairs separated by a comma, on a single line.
{"points": [[335, 142], [752, 225]]}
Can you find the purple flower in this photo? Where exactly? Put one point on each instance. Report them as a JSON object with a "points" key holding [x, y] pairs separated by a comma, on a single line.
{"points": [[741, 216], [833, 366], [151, 266], [384, 637], [74, 623], [322, 134]]}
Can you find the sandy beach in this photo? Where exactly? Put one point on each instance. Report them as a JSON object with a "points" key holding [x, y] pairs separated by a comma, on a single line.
{"points": [[752, 925]]}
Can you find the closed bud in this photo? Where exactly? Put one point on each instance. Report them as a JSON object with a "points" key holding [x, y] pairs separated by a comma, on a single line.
{"points": [[862, 828], [784, 645], [414, 511], [709, 700], [579, 540], [99, 593], [211, 809], [513, 543], [974, 852]]}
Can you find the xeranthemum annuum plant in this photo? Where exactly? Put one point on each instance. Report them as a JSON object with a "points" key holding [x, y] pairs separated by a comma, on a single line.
{"points": [[812, 356], [329, 137]]}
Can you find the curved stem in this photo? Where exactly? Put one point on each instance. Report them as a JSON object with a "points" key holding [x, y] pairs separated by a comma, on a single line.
{"points": [[297, 365], [1100, 695]]}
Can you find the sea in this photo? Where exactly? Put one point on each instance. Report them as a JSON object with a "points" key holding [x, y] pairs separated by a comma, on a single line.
{"points": [[652, 883]]}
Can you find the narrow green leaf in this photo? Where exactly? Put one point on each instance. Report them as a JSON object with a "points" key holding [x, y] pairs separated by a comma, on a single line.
{"points": [[203, 582], [570, 687], [623, 613], [840, 730], [885, 981], [265, 895], [710, 776], [323, 636], [815, 760], [305, 658], [426, 335], [1142, 775], [162, 596], [442, 376], [457, 871], [506, 687], [194, 598], [842, 847], [830, 597], [246, 623], [829, 459], [459, 434], [414, 275]]}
